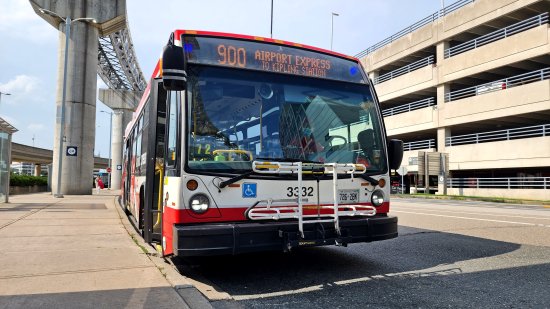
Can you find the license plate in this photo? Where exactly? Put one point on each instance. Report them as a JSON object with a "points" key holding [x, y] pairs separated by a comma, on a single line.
{"points": [[348, 196]]}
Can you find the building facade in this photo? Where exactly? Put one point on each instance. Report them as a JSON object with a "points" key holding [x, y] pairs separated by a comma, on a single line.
{"points": [[471, 81], [23, 168]]}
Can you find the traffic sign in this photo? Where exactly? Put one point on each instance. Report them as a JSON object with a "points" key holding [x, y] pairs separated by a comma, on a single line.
{"points": [[71, 151], [402, 170], [108, 170]]}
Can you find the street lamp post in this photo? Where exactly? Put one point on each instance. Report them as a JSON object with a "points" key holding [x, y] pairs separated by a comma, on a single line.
{"points": [[271, 33], [110, 138], [3, 93], [332, 27], [67, 20]]}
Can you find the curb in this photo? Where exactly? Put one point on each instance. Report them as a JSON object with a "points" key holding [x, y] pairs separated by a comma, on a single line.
{"points": [[181, 284]]}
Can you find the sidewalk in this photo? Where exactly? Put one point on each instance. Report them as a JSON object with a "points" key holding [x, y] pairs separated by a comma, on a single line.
{"points": [[77, 252]]}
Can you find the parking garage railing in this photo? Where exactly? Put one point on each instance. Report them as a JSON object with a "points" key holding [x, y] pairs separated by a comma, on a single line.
{"points": [[419, 24], [404, 70], [425, 144], [521, 26], [408, 107], [500, 84], [500, 135], [500, 183]]}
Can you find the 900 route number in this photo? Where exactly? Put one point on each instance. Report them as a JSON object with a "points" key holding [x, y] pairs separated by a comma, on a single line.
{"points": [[293, 191]]}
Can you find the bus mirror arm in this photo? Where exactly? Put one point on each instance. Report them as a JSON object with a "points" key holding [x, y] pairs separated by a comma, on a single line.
{"points": [[372, 181], [229, 181]]}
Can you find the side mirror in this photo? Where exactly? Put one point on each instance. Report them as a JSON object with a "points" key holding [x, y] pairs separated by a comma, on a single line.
{"points": [[395, 153], [174, 77]]}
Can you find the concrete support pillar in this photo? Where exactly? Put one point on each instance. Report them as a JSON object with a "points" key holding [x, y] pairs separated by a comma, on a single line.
{"points": [[443, 131], [374, 75], [440, 51], [442, 91], [443, 173], [37, 169], [79, 129], [121, 118], [442, 134], [123, 104], [117, 139]]}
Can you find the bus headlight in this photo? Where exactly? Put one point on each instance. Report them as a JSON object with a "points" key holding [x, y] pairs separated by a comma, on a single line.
{"points": [[199, 203], [377, 198]]}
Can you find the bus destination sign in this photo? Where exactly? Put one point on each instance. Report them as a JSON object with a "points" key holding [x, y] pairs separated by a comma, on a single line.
{"points": [[292, 64], [269, 57]]}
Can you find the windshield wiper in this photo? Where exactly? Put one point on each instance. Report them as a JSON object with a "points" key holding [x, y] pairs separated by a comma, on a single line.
{"points": [[372, 181], [229, 181]]}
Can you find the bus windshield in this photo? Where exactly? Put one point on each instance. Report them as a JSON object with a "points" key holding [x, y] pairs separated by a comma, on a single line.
{"points": [[237, 116]]}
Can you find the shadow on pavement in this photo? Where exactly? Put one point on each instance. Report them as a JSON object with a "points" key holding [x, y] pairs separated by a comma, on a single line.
{"points": [[22, 206], [326, 275], [156, 297]]}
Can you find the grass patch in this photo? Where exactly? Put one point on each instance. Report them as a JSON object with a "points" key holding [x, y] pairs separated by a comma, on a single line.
{"points": [[138, 244]]}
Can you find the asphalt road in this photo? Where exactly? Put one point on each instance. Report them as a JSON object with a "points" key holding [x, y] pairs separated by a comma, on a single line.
{"points": [[448, 254]]}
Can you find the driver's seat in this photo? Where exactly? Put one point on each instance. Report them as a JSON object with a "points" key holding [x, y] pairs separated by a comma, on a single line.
{"points": [[367, 142]]}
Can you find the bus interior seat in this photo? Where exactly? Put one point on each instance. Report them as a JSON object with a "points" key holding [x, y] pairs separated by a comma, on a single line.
{"points": [[367, 142]]}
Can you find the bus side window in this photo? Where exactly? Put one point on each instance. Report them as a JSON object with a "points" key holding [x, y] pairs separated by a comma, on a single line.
{"points": [[137, 151], [172, 128]]}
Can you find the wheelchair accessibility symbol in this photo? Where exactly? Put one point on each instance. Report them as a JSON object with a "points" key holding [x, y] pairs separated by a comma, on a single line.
{"points": [[249, 190]]}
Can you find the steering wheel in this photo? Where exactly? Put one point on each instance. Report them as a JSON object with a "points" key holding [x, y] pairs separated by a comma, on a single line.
{"points": [[329, 139]]}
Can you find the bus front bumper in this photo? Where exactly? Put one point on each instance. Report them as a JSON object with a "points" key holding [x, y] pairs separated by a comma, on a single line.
{"points": [[236, 238]]}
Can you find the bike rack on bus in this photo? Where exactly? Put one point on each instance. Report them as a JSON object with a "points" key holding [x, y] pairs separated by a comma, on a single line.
{"points": [[269, 209]]}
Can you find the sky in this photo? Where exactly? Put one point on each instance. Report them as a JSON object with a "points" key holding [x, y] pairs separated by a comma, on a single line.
{"points": [[29, 61]]}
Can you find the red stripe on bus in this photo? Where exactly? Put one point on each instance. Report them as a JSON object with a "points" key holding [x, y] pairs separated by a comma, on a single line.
{"points": [[173, 216]]}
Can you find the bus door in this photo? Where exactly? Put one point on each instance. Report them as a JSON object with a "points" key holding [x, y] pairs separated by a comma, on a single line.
{"points": [[152, 229], [172, 166]]}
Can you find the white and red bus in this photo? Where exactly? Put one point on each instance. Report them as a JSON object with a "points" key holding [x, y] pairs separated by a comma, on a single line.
{"points": [[245, 144]]}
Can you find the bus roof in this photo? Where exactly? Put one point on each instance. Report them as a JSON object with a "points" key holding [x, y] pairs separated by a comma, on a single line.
{"points": [[179, 32]]}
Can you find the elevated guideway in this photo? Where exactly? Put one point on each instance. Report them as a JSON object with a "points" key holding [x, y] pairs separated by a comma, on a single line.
{"points": [[36, 155], [100, 47]]}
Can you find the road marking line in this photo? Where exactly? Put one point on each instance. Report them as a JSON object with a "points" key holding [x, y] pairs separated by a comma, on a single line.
{"points": [[281, 293], [478, 213], [313, 288], [468, 218], [467, 203]]}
